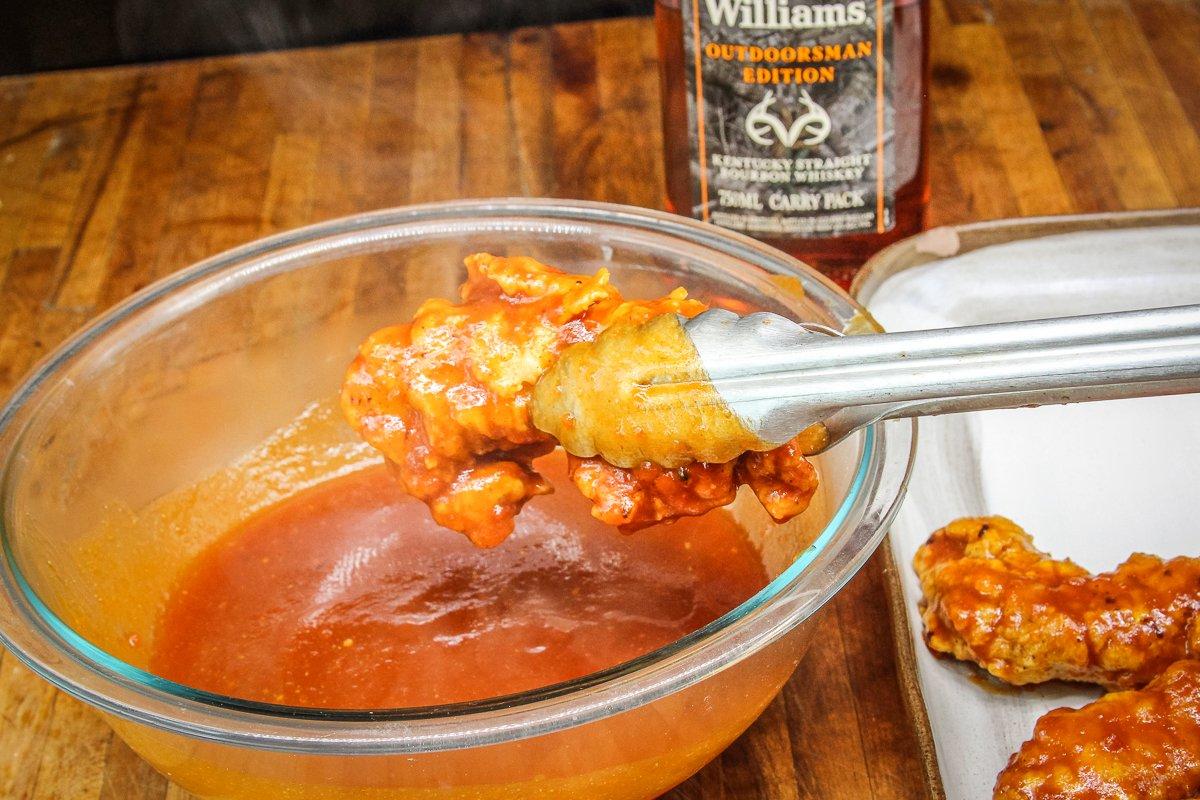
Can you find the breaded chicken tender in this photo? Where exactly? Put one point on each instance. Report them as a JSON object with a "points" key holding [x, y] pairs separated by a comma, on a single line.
{"points": [[446, 398], [992, 598], [783, 480], [1142, 744]]}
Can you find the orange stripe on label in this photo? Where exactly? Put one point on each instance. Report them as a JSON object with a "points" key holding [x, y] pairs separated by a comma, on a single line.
{"points": [[703, 158], [879, 132]]}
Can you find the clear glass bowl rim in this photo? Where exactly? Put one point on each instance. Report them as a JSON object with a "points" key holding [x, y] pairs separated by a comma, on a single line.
{"points": [[45, 644]]}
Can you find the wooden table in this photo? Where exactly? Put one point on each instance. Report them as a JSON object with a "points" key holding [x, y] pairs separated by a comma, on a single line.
{"points": [[112, 178]]}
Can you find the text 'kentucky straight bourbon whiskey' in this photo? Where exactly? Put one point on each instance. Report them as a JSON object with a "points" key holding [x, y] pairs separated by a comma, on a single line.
{"points": [[799, 122]]}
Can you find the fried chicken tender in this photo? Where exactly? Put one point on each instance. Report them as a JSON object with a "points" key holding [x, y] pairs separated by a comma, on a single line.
{"points": [[1141, 744], [446, 398], [783, 480], [992, 598]]}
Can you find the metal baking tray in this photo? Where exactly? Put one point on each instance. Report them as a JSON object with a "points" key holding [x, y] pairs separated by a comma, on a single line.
{"points": [[1091, 482]]}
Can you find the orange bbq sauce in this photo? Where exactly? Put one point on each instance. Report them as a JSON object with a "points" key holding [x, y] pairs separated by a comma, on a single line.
{"points": [[348, 595]]}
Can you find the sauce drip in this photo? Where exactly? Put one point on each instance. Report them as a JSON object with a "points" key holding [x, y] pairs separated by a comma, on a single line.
{"points": [[348, 595]]}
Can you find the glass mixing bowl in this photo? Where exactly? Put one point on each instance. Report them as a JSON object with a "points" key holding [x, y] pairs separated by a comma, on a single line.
{"points": [[126, 451]]}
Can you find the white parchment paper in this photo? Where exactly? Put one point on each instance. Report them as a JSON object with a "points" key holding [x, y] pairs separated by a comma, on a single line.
{"points": [[1093, 482]]}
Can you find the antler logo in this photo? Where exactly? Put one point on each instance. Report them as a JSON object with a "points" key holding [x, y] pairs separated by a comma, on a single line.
{"points": [[812, 123]]}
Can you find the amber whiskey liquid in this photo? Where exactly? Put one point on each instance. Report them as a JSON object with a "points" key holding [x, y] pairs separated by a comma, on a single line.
{"points": [[801, 123]]}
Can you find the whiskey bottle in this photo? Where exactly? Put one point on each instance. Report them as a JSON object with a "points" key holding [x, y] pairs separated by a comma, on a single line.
{"points": [[799, 122]]}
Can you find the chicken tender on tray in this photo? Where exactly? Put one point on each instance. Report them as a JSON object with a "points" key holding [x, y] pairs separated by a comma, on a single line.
{"points": [[446, 399], [992, 598], [1141, 744]]}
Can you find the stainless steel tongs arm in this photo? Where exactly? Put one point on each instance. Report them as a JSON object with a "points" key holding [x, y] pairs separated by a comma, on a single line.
{"points": [[848, 382]]}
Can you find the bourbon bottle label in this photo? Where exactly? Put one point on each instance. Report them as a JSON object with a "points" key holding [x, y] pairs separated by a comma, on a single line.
{"points": [[790, 115]]}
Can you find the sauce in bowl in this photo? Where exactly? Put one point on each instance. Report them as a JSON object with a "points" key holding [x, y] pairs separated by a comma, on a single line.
{"points": [[348, 595]]}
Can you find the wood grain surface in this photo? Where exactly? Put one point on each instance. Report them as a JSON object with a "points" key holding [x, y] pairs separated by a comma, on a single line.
{"points": [[112, 178]]}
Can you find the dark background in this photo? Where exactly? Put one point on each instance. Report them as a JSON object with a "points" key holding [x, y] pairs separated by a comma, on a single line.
{"points": [[38, 35]]}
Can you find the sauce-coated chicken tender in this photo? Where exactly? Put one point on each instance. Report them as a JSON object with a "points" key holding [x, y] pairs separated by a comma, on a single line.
{"points": [[1141, 744], [783, 480], [992, 598], [446, 399]]}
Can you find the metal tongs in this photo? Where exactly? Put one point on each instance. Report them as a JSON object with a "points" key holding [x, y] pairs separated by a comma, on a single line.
{"points": [[781, 377]]}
